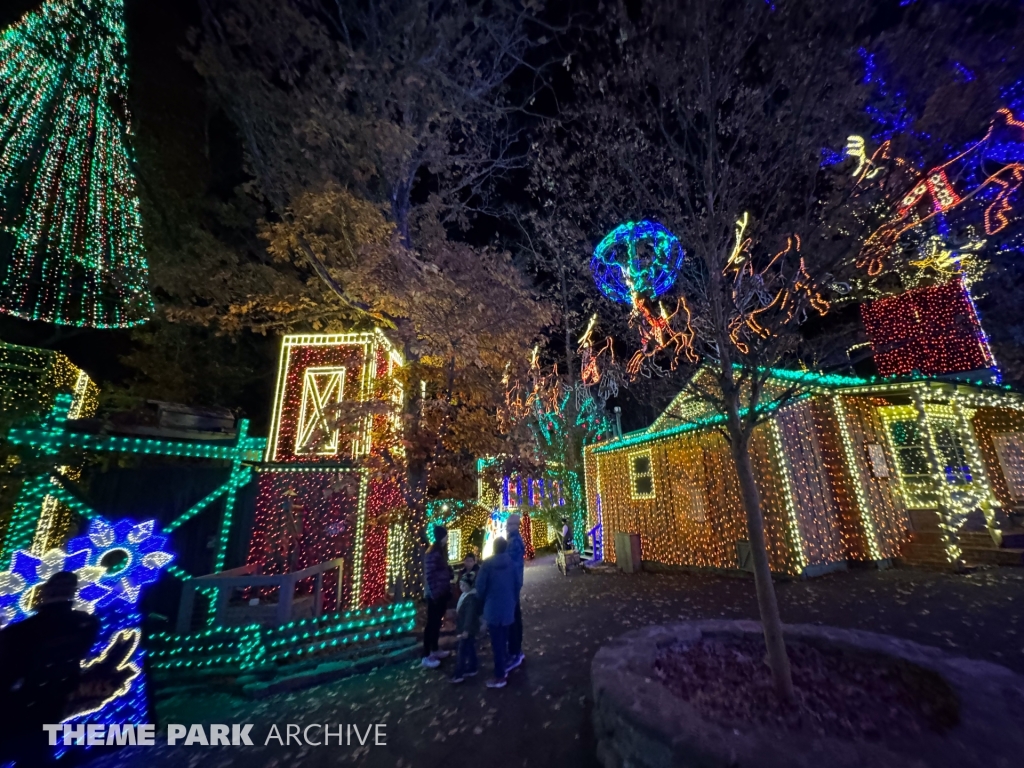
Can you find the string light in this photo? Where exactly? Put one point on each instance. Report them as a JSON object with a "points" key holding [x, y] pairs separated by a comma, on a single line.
{"points": [[933, 330], [870, 535], [988, 171], [254, 646], [941, 464], [304, 519], [66, 173], [636, 257], [131, 637], [767, 294], [319, 497], [316, 374], [977, 184], [114, 562], [641, 480], [460, 517], [560, 417], [30, 380], [793, 527], [822, 465], [1000, 439], [54, 436], [526, 496]]}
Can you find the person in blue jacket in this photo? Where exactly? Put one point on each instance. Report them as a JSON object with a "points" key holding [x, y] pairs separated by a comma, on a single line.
{"points": [[496, 587], [517, 553]]}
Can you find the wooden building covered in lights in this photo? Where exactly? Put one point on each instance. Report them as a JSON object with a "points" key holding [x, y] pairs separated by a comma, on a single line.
{"points": [[337, 408], [852, 470]]}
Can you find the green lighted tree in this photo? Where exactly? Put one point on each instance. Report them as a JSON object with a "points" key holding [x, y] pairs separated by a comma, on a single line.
{"points": [[548, 417], [71, 236]]}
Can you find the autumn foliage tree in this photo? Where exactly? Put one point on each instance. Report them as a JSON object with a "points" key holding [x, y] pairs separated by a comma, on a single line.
{"points": [[373, 132]]}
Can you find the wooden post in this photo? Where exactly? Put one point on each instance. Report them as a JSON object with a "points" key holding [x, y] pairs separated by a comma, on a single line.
{"points": [[286, 593], [185, 606], [318, 595], [337, 590], [223, 596]]}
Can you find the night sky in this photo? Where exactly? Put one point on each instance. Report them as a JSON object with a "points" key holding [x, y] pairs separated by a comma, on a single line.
{"points": [[183, 142], [170, 116]]}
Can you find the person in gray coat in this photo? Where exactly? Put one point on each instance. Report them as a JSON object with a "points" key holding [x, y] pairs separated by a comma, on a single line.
{"points": [[497, 587]]}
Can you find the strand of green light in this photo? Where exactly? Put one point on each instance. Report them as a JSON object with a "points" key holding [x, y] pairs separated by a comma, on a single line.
{"points": [[66, 170]]}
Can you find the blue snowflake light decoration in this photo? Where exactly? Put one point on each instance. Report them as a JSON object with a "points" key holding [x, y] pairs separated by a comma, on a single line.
{"points": [[131, 555], [637, 257], [113, 561], [28, 571]]}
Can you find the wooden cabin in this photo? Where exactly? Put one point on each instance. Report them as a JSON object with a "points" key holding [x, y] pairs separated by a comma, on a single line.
{"points": [[849, 470]]}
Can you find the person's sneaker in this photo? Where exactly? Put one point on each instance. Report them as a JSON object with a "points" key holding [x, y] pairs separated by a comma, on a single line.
{"points": [[470, 674], [430, 662], [515, 662], [496, 682], [457, 679], [441, 654]]}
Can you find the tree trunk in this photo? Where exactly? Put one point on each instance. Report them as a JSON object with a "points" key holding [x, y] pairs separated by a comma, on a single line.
{"points": [[767, 604], [416, 474], [416, 499]]}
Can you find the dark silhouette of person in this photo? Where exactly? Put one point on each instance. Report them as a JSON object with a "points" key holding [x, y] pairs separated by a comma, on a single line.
{"points": [[40, 666]]}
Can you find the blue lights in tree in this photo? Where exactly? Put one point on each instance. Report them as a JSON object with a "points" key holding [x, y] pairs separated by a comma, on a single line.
{"points": [[964, 75], [637, 257], [888, 108]]}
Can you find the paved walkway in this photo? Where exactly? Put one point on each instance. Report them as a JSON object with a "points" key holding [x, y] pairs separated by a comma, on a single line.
{"points": [[543, 717]]}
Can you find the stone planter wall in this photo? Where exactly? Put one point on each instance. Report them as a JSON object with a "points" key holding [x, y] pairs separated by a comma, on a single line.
{"points": [[640, 724]]}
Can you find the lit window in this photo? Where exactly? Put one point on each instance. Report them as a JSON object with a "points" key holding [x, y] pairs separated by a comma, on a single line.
{"points": [[641, 476], [911, 453], [322, 390]]}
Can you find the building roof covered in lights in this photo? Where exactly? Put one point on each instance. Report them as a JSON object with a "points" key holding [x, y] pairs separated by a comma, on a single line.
{"points": [[690, 412]]}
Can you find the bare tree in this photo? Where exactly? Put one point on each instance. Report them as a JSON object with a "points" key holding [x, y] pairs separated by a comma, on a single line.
{"points": [[405, 103], [711, 118]]}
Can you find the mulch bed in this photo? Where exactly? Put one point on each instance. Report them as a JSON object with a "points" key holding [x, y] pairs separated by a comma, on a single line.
{"points": [[849, 694]]}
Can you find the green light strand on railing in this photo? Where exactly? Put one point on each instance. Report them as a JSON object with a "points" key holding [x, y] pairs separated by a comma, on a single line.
{"points": [[49, 440], [253, 643]]}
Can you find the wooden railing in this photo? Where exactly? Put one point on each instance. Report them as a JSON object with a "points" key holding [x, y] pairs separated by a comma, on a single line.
{"points": [[224, 582]]}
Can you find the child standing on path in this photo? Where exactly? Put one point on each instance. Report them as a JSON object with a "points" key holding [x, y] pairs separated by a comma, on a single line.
{"points": [[497, 586], [466, 628], [470, 565]]}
